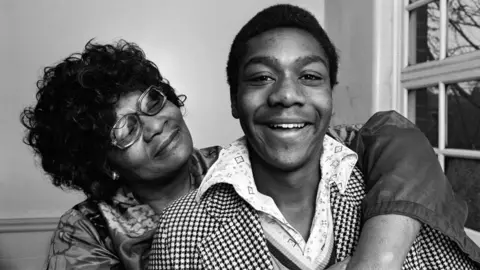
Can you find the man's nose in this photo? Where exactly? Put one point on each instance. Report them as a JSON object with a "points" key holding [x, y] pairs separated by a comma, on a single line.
{"points": [[286, 92]]}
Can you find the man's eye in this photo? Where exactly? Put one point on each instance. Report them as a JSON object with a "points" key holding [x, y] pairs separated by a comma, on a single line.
{"points": [[262, 78], [310, 77]]}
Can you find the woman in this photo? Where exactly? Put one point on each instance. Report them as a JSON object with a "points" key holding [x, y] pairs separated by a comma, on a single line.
{"points": [[108, 124]]}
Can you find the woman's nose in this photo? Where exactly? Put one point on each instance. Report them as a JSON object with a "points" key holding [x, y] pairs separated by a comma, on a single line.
{"points": [[152, 125]]}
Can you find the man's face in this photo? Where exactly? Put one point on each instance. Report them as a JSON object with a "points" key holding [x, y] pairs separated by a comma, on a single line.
{"points": [[284, 98]]}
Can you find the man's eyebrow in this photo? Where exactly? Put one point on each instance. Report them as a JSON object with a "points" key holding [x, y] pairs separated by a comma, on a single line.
{"points": [[266, 60], [305, 60], [272, 61]]}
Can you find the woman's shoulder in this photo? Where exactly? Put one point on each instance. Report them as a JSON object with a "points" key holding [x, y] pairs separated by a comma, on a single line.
{"points": [[81, 233], [80, 211], [85, 216]]}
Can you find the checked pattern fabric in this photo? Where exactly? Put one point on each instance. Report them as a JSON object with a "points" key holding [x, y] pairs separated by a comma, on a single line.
{"points": [[222, 233]]}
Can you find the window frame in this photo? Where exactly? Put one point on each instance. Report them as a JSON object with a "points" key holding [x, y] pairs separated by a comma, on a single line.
{"points": [[439, 72]]}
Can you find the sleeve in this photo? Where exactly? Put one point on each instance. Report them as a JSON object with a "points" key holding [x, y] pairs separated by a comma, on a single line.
{"points": [[76, 244], [403, 176], [345, 133]]}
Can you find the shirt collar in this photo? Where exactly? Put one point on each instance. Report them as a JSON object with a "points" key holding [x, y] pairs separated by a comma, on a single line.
{"points": [[337, 163]]}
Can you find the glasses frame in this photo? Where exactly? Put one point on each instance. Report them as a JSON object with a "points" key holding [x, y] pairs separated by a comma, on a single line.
{"points": [[137, 115]]}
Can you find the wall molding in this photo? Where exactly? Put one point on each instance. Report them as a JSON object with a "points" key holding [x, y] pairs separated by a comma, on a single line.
{"points": [[19, 225]]}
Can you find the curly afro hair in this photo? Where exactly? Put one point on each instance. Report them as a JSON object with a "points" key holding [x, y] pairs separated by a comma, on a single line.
{"points": [[69, 126], [279, 16]]}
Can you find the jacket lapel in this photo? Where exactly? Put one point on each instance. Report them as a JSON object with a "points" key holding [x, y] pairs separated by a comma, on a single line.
{"points": [[346, 213], [237, 238]]}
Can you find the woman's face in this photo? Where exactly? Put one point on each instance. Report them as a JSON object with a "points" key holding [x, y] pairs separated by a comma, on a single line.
{"points": [[162, 149]]}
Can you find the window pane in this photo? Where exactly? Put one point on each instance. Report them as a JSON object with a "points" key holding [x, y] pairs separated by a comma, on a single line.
{"points": [[464, 175], [463, 26], [463, 107], [424, 34], [423, 111]]}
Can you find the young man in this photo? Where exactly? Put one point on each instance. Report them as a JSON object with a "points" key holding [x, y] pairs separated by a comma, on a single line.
{"points": [[288, 195]]}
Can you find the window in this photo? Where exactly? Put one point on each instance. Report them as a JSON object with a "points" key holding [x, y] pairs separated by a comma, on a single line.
{"points": [[440, 87]]}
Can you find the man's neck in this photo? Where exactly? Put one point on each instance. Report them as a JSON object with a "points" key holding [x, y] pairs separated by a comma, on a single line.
{"points": [[160, 194], [287, 188], [294, 192]]}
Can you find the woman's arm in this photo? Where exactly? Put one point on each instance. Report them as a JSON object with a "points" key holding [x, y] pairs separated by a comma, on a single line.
{"points": [[403, 176], [384, 242]]}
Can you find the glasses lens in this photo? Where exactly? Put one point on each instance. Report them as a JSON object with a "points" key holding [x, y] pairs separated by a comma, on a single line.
{"points": [[126, 130], [152, 102]]}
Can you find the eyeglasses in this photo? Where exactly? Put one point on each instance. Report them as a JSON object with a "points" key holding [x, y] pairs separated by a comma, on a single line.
{"points": [[128, 128]]}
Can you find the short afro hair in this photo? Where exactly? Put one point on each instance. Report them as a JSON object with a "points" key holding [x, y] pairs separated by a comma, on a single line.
{"points": [[279, 16], [70, 124]]}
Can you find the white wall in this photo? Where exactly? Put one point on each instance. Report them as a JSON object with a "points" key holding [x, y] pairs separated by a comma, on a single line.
{"points": [[350, 25], [365, 33], [188, 40]]}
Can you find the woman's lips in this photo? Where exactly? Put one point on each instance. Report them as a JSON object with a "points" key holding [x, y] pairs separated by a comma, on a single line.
{"points": [[166, 141]]}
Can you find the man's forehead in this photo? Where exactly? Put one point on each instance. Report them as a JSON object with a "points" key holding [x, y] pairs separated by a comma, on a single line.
{"points": [[271, 44]]}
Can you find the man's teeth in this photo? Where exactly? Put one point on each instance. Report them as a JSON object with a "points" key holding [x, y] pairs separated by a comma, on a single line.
{"points": [[288, 126]]}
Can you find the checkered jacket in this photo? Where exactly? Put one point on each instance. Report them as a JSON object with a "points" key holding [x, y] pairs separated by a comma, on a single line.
{"points": [[224, 232]]}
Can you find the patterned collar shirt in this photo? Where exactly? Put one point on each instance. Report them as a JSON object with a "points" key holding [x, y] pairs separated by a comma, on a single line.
{"points": [[337, 162]]}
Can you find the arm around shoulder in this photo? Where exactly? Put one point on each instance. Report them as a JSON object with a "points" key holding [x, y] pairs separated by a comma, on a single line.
{"points": [[403, 175], [406, 187], [384, 242]]}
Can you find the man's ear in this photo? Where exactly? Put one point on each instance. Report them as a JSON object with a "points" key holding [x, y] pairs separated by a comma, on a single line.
{"points": [[233, 105]]}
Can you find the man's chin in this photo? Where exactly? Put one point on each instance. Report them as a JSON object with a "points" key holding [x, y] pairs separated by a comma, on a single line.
{"points": [[291, 160], [287, 163], [282, 157]]}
